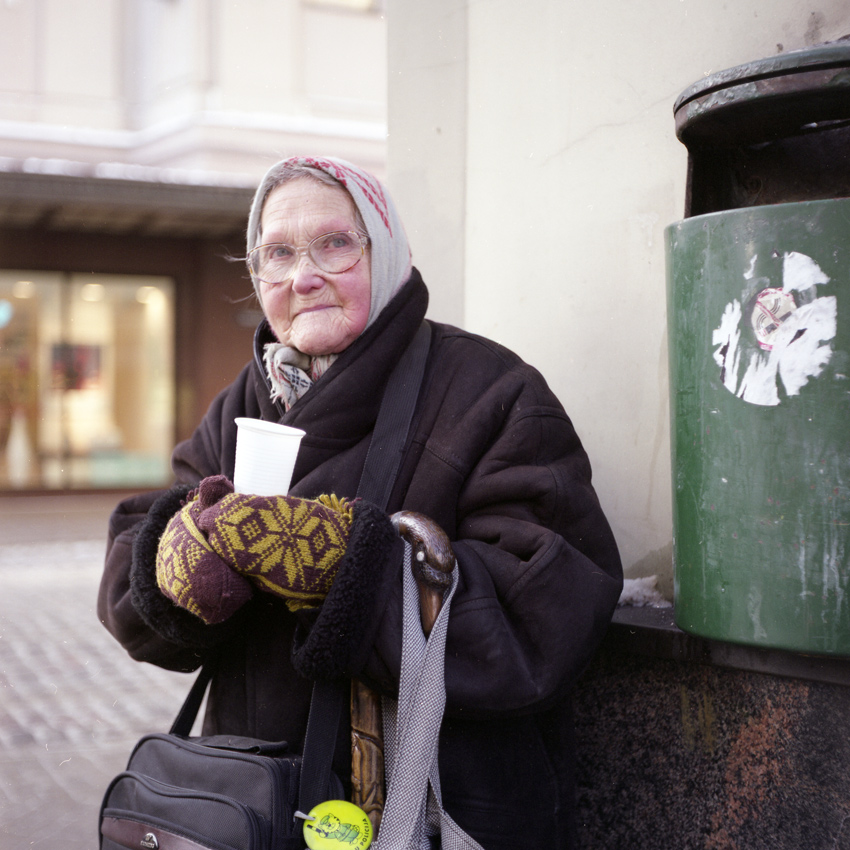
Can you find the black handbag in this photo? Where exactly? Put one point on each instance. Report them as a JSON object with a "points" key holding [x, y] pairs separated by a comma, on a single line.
{"points": [[227, 792], [220, 791]]}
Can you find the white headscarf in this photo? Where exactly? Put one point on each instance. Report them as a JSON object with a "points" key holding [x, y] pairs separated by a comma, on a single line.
{"points": [[291, 372]]}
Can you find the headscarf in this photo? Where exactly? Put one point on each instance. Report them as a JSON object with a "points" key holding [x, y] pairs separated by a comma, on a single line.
{"points": [[291, 372]]}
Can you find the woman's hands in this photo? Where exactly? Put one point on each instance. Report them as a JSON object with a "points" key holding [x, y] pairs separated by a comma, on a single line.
{"points": [[222, 544], [188, 570]]}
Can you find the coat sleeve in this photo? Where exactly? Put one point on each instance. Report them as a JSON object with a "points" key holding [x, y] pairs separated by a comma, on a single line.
{"points": [[115, 602], [129, 603], [539, 568], [539, 573], [502, 470]]}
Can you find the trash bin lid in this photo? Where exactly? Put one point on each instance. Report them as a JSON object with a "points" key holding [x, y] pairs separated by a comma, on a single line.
{"points": [[767, 99]]}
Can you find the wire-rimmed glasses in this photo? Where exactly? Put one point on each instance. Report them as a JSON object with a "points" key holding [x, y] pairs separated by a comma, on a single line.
{"points": [[334, 252]]}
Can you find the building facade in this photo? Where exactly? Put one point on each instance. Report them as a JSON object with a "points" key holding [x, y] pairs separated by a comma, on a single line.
{"points": [[132, 134]]}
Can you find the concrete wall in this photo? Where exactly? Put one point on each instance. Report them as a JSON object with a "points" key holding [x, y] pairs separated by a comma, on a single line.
{"points": [[533, 156]]}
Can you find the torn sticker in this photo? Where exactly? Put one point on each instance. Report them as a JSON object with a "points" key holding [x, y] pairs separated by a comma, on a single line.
{"points": [[780, 334]]}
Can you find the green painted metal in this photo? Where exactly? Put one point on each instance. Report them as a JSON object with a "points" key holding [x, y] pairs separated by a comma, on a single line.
{"points": [[761, 434]]}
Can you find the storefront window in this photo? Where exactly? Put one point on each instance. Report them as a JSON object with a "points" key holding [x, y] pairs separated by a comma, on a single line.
{"points": [[86, 380]]}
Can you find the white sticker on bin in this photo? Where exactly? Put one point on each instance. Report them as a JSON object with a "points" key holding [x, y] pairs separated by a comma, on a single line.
{"points": [[791, 329]]}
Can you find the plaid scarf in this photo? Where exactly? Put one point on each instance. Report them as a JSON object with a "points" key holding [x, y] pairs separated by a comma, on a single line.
{"points": [[292, 373]]}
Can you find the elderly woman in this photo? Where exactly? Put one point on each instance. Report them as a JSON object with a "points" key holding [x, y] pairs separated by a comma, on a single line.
{"points": [[491, 457]]}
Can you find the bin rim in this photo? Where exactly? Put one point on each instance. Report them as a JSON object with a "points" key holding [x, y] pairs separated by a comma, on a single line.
{"points": [[754, 210], [834, 54], [766, 98]]}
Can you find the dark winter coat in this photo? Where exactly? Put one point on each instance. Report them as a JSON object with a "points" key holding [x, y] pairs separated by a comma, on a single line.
{"points": [[494, 460]]}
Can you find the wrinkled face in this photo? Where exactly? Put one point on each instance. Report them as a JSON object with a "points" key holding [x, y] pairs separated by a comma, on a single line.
{"points": [[314, 311]]}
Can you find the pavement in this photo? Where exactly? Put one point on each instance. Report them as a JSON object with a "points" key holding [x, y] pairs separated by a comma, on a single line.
{"points": [[72, 703]]}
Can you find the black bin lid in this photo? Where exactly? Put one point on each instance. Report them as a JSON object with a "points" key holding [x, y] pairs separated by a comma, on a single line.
{"points": [[767, 99]]}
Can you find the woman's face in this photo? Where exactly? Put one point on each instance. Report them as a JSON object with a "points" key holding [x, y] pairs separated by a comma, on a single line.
{"points": [[314, 311]]}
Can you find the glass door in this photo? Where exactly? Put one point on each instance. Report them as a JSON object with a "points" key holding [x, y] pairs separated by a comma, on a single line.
{"points": [[86, 380]]}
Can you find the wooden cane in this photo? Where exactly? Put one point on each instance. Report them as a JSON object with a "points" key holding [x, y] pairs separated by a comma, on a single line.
{"points": [[432, 562]]}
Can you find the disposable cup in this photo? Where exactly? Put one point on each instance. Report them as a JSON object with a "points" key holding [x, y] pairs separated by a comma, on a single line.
{"points": [[265, 457]]}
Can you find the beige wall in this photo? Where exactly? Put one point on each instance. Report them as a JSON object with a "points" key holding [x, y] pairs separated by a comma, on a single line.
{"points": [[219, 85], [533, 156]]}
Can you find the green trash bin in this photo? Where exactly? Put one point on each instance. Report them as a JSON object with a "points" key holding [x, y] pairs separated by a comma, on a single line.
{"points": [[759, 341]]}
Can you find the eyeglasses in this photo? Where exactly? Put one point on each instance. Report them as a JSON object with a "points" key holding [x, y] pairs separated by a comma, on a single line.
{"points": [[331, 252]]}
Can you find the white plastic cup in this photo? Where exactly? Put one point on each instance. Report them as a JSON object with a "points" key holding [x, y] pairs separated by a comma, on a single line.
{"points": [[265, 457]]}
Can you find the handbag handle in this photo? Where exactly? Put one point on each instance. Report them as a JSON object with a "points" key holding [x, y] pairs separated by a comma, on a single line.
{"points": [[185, 719], [376, 482], [393, 423]]}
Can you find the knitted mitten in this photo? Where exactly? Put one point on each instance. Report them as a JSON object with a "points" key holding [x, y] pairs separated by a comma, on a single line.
{"points": [[285, 545], [189, 572]]}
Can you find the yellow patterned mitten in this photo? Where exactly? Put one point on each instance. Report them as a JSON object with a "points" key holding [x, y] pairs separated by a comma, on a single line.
{"points": [[285, 545]]}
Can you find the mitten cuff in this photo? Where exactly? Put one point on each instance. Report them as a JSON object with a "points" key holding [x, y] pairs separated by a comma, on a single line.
{"points": [[165, 618], [333, 641]]}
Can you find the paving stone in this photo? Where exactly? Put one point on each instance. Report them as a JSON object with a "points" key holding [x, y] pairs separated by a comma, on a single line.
{"points": [[72, 702]]}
